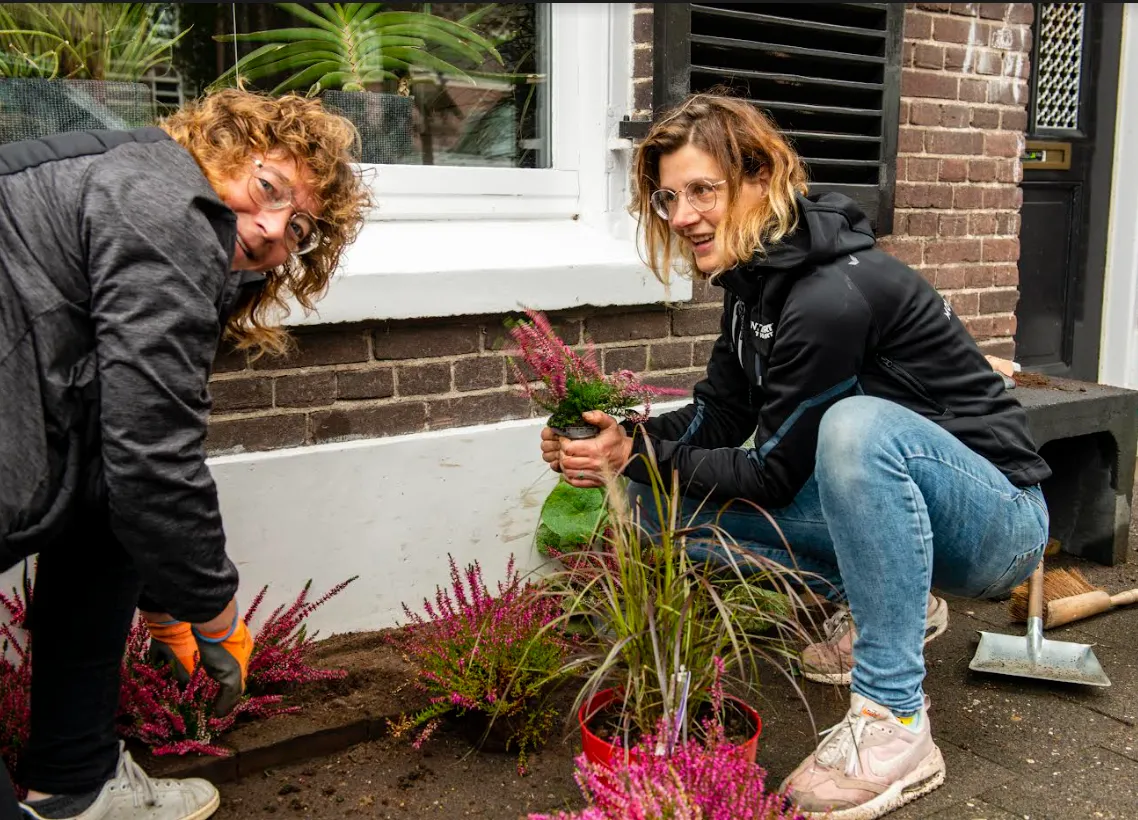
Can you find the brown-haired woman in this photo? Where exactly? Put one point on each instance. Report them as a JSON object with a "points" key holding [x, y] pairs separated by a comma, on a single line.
{"points": [[125, 257], [885, 447]]}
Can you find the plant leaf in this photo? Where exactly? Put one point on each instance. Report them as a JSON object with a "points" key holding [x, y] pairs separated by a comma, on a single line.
{"points": [[329, 24], [572, 516], [277, 35], [322, 73]]}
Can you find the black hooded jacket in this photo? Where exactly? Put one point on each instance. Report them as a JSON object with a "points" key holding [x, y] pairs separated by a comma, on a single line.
{"points": [[823, 316]]}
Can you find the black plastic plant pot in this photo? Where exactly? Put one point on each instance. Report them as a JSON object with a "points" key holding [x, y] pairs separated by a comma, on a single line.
{"points": [[576, 431]]}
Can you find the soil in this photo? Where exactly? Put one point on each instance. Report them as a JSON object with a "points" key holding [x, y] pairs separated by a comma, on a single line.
{"points": [[387, 777], [1031, 380], [384, 777]]}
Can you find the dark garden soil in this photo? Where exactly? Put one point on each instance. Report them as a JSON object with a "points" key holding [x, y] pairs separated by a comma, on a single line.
{"points": [[337, 759]]}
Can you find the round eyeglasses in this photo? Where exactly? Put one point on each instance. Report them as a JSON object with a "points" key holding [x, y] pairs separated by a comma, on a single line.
{"points": [[269, 189], [701, 194]]}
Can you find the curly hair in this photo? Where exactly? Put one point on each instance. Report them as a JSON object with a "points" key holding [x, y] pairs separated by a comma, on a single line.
{"points": [[222, 130], [743, 141]]}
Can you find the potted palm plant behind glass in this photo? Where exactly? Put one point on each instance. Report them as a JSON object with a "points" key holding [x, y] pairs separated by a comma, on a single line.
{"points": [[77, 66], [349, 52]]}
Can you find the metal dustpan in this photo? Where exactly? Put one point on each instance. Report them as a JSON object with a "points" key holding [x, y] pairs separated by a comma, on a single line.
{"points": [[1033, 656]]}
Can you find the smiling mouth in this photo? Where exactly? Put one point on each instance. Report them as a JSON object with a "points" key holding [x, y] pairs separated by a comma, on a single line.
{"points": [[245, 248], [701, 242]]}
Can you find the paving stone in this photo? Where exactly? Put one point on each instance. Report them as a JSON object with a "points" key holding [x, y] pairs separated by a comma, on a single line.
{"points": [[1095, 783], [966, 810], [966, 776], [1012, 720]]}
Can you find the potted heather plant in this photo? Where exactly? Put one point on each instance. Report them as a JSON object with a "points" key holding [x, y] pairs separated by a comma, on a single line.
{"points": [[490, 661], [658, 620], [574, 383], [709, 780], [169, 718]]}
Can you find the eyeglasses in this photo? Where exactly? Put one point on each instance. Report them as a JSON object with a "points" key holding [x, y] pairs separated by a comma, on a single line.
{"points": [[269, 189], [701, 195]]}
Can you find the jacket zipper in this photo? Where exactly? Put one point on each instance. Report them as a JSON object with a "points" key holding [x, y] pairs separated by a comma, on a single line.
{"points": [[912, 383], [758, 341], [738, 312]]}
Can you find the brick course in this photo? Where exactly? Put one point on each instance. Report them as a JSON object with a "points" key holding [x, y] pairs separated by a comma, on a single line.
{"points": [[961, 136], [964, 90]]}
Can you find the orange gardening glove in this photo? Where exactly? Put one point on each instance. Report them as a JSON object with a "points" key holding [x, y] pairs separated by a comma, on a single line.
{"points": [[225, 657], [172, 643]]}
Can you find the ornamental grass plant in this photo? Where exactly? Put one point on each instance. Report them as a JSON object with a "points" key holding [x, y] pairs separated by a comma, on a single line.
{"points": [[657, 618]]}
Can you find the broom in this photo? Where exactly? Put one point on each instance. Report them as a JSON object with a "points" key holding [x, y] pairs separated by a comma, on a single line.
{"points": [[1068, 596]]}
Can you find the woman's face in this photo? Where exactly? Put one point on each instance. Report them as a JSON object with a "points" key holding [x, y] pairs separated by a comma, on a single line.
{"points": [[695, 217], [266, 236]]}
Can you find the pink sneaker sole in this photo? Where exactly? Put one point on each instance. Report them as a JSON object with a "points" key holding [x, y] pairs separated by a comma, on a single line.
{"points": [[925, 778]]}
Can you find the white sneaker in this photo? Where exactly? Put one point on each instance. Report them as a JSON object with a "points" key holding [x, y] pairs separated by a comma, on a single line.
{"points": [[868, 765], [132, 795]]}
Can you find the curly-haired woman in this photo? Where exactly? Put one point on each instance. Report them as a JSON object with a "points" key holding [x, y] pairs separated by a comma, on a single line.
{"points": [[125, 257], [885, 446]]}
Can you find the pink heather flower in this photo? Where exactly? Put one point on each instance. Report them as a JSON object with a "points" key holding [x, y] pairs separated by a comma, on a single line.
{"points": [[710, 780], [15, 679], [574, 383], [153, 707], [283, 642], [477, 652]]}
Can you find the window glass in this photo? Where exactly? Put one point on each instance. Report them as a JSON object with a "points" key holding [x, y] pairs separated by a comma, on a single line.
{"points": [[425, 83]]}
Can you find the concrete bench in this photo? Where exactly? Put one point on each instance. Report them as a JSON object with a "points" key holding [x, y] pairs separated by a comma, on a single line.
{"points": [[1088, 434]]}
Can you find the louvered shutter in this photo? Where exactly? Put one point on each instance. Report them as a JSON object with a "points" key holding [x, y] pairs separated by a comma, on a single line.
{"points": [[827, 73]]}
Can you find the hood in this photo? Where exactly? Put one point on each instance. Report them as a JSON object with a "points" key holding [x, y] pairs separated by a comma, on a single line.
{"points": [[830, 226]]}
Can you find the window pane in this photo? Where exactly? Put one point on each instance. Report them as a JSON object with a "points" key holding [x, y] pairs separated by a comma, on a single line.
{"points": [[425, 83]]}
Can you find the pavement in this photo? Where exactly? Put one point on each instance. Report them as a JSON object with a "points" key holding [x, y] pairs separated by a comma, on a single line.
{"points": [[1014, 748]]}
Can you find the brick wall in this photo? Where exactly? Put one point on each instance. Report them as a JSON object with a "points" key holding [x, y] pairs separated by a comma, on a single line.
{"points": [[962, 120], [964, 92]]}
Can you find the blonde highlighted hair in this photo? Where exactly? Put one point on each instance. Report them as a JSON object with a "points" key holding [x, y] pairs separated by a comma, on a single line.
{"points": [[745, 143], [222, 131]]}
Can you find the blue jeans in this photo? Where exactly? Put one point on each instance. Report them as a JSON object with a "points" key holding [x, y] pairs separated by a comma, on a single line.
{"points": [[896, 506]]}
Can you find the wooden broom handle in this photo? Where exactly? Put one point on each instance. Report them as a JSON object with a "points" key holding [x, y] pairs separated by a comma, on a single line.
{"points": [[1035, 592], [1126, 598], [1076, 607]]}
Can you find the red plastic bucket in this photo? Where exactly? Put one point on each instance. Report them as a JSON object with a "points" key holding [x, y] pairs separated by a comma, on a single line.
{"points": [[605, 753]]}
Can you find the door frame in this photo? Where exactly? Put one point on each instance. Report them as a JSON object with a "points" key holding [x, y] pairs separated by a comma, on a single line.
{"points": [[1118, 362], [1090, 301], [1084, 298]]}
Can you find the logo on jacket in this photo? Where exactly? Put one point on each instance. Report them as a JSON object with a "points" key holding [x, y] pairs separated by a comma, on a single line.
{"points": [[763, 331], [853, 260], [947, 309]]}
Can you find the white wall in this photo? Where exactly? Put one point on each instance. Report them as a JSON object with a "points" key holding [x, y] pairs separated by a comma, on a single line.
{"points": [[1118, 361], [388, 510]]}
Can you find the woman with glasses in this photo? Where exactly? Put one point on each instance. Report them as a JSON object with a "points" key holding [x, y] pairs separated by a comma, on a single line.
{"points": [[125, 258], [886, 448]]}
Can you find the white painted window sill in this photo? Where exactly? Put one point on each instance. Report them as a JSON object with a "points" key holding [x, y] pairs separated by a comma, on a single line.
{"points": [[425, 269]]}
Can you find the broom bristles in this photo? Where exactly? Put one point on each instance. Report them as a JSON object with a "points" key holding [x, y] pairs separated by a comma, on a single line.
{"points": [[1057, 583]]}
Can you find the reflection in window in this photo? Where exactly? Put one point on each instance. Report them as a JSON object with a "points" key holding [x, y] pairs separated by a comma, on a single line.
{"points": [[425, 83]]}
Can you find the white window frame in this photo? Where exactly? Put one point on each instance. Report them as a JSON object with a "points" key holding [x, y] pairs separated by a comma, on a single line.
{"points": [[453, 241]]}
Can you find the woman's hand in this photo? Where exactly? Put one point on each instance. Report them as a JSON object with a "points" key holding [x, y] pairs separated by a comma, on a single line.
{"points": [[551, 449], [587, 462]]}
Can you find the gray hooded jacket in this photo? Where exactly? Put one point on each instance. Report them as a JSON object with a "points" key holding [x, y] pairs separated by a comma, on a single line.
{"points": [[115, 283]]}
